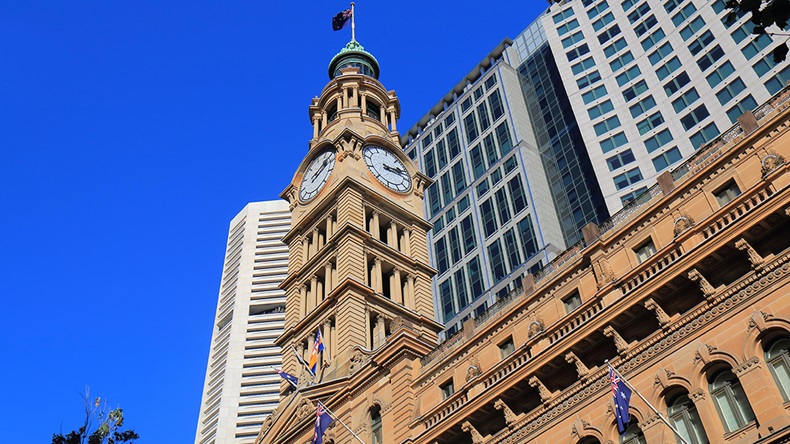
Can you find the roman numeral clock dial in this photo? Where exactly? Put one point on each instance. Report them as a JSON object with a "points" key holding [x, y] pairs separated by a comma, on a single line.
{"points": [[387, 168], [316, 175]]}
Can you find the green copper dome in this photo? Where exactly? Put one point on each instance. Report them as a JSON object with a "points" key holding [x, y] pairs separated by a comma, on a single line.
{"points": [[354, 55]]}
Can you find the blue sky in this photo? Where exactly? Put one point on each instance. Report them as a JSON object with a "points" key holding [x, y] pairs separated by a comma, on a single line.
{"points": [[131, 133]]}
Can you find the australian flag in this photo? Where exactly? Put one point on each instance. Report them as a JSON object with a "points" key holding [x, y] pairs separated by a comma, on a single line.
{"points": [[339, 21], [293, 380], [322, 422], [622, 397]]}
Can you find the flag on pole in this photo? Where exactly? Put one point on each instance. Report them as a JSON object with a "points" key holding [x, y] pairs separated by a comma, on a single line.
{"points": [[322, 422], [318, 347], [622, 397], [302, 361], [339, 21], [293, 380]]}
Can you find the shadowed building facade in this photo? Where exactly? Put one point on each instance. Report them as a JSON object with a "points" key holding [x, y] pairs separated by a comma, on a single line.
{"points": [[684, 291]]}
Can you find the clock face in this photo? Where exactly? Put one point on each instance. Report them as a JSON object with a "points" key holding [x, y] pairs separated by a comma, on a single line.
{"points": [[316, 175], [387, 168]]}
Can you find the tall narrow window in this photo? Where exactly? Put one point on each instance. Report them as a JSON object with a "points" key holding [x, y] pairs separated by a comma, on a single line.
{"points": [[447, 389], [684, 417], [376, 436], [731, 401], [727, 193], [572, 301], [778, 359], [506, 348], [644, 251]]}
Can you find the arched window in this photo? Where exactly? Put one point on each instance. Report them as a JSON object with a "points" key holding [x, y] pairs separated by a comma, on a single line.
{"points": [[778, 358], [633, 435], [590, 440], [376, 436], [684, 417], [730, 400], [373, 110]]}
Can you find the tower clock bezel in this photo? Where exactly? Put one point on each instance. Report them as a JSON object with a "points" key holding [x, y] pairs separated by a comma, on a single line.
{"points": [[393, 175], [316, 175]]}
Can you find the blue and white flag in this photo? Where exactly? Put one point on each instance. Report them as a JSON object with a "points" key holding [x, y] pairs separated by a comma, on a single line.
{"points": [[293, 380], [622, 398], [322, 422]]}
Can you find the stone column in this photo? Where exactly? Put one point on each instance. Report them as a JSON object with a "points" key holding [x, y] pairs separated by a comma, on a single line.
{"points": [[314, 297], [328, 285], [303, 305], [319, 292], [377, 278], [408, 298], [368, 334], [364, 104], [328, 347], [375, 229], [329, 231], [316, 117], [396, 288], [708, 416], [406, 245], [379, 333], [314, 245], [392, 233], [393, 120], [305, 249]]}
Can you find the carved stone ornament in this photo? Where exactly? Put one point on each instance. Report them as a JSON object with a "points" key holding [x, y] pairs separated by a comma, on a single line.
{"points": [[661, 315], [603, 273], [510, 417], [746, 366], [578, 427], [754, 257], [758, 320], [697, 395], [703, 354], [536, 327], [419, 187], [396, 323], [770, 162], [348, 148], [619, 342], [473, 371], [662, 378], [292, 200], [477, 438], [545, 394], [704, 285], [305, 408], [682, 223], [581, 369], [269, 421], [357, 358]]}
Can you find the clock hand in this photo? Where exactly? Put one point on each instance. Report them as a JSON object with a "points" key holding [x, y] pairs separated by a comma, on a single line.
{"points": [[323, 165]]}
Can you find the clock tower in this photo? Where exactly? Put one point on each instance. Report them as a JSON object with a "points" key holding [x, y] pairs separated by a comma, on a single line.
{"points": [[358, 272]]}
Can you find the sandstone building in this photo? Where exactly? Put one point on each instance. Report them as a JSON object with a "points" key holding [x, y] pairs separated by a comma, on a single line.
{"points": [[683, 290]]}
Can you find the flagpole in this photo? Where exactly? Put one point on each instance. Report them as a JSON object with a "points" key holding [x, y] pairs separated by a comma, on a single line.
{"points": [[660, 416], [301, 361], [288, 380], [353, 24], [332, 414]]}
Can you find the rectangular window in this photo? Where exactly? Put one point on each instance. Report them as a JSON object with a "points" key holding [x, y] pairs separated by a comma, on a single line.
{"points": [[434, 201], [627, 179], [506, 348], [510, 164], [439, 225], [620, 160], [455, 245], [497, 261], [495, 105], [607, 125], [430, 164], [727, 193], [650, 123], [653, 38], [459, 176], [491, 81], [744, 31], [478, 165], [634, 91], [447, 389], [644, 251], [463, 204], [692, 28], [628, 4], [730, 91], [582, 66], [517, 194], [621, 61], [694, 117], [441, 154], [719, 6], [460, 289], [589, 79], [685, 100], [645, 26], [641, 107], [628, 75], [613, 142], [482, 188], [676, 84], [567, 27], [503, 138], [666, 159], [466, 104], [600, 109], [572, 39], [489, 218], [764, 65], [659, 54], [482, 116], [577, 52], [449, 215], [597, 9], [440, 248], [527, 236], [777, 82], [756, 46], [478, 93], [657, 141], [602, 22], [639, 12], [562, 16], [668, 68], [511, 249], [720, 73], [683, 14], [700, 43], [608, 34], [502, 205], [475, 277], [704, 135], [446, 298], [711, 57], [615, 47], [449, 120], [632, 195], [468, 234], [747, 104], [447, 188], [470, 125], [572, 301], [452, 143]]}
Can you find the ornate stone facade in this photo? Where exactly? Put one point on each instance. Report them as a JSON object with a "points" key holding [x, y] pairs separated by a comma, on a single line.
{"points": [[704, 306]]}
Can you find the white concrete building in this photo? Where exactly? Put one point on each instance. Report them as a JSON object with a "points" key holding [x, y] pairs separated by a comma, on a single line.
{"points": [[241, 386]]}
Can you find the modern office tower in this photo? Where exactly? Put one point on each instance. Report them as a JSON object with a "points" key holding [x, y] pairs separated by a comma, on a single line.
{"points": [[650, 81], [512, 182], [241, 387]]}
